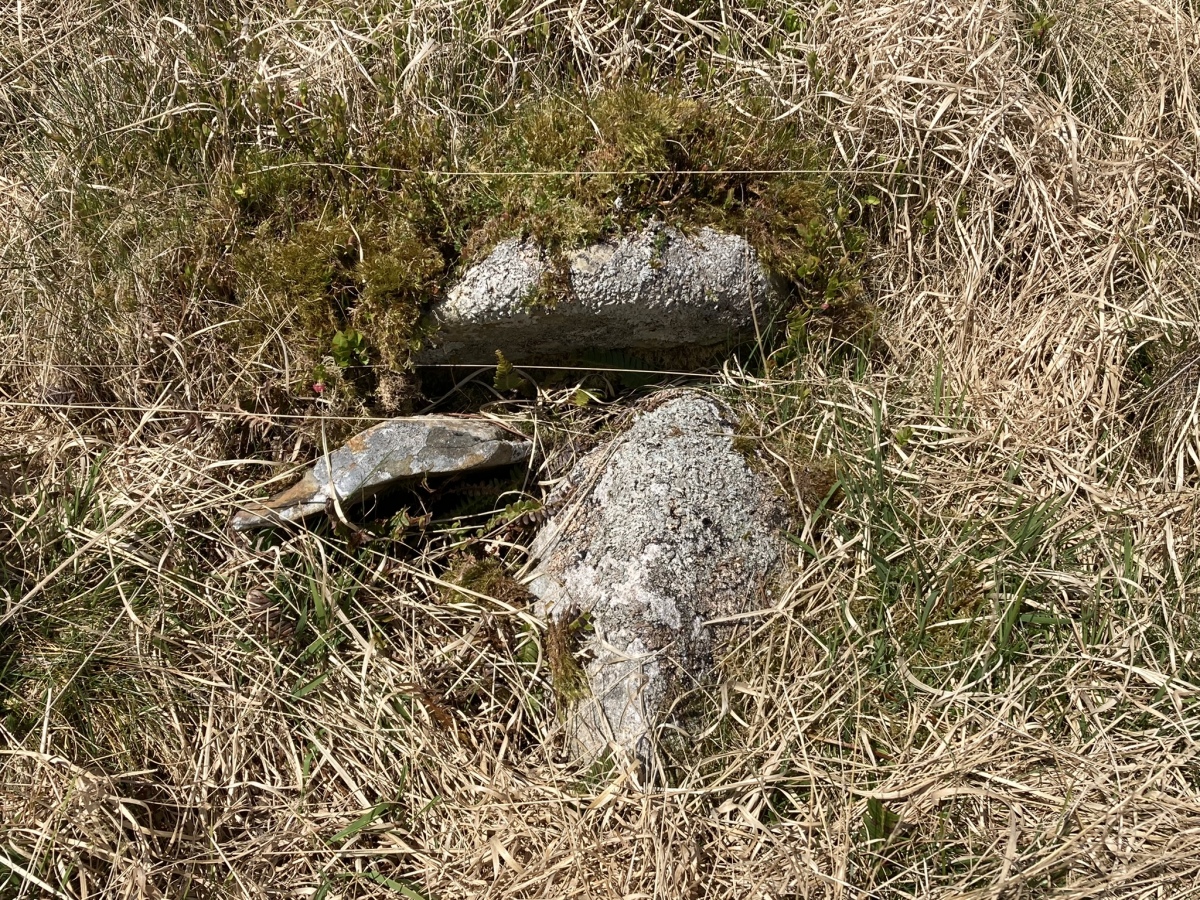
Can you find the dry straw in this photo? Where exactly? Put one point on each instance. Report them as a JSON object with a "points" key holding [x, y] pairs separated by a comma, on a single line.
{"points": [[979, 679]]}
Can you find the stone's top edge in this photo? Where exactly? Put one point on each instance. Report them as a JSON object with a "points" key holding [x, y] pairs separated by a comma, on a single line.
{"points": [[444, 421], [657, 290], [704, 233], [676, 406]]}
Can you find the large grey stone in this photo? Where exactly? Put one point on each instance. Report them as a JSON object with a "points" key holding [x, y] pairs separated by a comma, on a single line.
{"points": [[667, 529], [388, 453], [657, 290]]}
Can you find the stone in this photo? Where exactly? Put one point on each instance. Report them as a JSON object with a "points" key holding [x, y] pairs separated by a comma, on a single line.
{"points": [[388, 453], [652, 292], [662, 530]]}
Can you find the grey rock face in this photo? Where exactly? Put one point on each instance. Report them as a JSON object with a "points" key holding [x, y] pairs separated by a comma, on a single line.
{"points": [[383, 455], [656, 290], [667, 529]]}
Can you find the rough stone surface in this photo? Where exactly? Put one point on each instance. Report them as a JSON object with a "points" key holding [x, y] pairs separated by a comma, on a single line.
{"points": [[658, 290], [666, 529], [385, 454]]}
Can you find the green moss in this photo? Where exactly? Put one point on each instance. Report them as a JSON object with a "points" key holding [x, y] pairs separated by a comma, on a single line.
{"points": [[553, 286], [564, 639], [300, 282], [333, 220], [398, 279], [485, 576]]}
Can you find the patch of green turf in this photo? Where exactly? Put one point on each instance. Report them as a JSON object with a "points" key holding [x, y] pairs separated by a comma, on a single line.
{"points": [[327, 222]]}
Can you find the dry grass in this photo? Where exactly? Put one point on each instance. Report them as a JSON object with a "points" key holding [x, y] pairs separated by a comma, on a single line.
{"points": [[981, 678]]}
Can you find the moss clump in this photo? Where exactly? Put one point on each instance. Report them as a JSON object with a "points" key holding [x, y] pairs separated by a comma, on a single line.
{"points": [[553, 286], [320, 285], [334, 223], [397, 282], [302, 281], [564, 638], [611, 162], [488, 577]]}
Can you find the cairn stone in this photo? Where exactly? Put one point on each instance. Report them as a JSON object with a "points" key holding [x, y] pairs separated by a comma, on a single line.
{"points": [[666, 529], [391, 452], [655, 292]]}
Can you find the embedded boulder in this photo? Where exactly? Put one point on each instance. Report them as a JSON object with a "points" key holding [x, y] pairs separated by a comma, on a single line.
{"points": [[391, 452], [662, 531], [652, 292]]}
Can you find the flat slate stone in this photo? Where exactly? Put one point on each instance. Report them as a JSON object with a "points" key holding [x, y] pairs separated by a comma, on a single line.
{"points": [[666, 529], [379, 457], [655, 291]]}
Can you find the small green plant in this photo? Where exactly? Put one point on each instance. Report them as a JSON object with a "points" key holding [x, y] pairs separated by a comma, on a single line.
{"points": [[583, 398], [505, 378], [879, 821], [662, 240], [349, 348], [521, 513], [1040, 26]]}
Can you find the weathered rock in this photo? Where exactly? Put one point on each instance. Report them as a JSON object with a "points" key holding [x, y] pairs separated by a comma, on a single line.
{"points": [[655, 291], [388, 453], [667, 528]]}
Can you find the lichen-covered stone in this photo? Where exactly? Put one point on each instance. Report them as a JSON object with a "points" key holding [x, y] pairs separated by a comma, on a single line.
{"points": [[666, 529], [381, 456], [656, 291]]}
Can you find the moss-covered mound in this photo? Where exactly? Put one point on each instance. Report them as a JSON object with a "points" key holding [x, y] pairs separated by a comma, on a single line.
{"points": [[324, 241]]}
